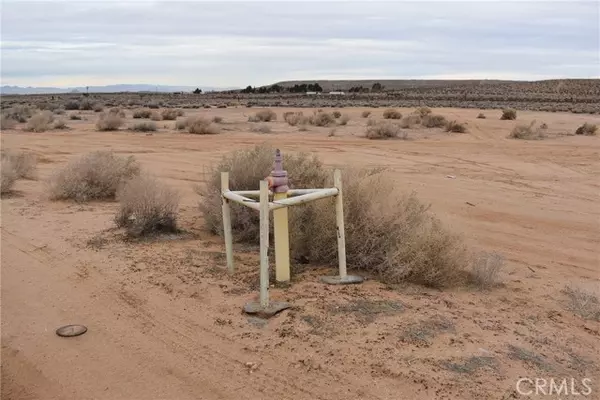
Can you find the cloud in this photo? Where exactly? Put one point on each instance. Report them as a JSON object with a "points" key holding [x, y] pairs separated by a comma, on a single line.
{"points": [[236, 44]]}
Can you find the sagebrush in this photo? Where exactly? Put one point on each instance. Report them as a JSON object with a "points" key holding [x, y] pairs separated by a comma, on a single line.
{"points": [[146, 206], [392, 113], [587, 129], [23, 163], [392, 236], [109, 122], [93, 176], [385, 130], [40, 122]]}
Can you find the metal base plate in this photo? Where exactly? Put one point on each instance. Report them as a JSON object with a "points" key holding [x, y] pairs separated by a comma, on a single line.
{"points": [[337, 280], [273, 308], [71, 330]]}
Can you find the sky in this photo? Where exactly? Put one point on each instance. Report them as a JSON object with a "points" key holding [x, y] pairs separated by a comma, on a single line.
{"points": [[235, 44]]}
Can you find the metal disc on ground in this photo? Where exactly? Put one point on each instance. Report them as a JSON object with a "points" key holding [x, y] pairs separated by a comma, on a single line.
{"points": [[274, 307], [71, 330], [337, 280]]}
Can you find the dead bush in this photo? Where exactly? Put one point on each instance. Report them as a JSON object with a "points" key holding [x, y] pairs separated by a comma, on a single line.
{"points": [[344, 119], [508, 114], [20, 113], [153, 105], [246, 168], [392, 113], [155, 116], [169, 114], [98, 107], [481, 116], [384, 130], [146, 126], [584, 301], [410, 121], [486, 268], [86, 105], [295, 118], [217, 120], [75, 117], [7, 123], [181, 124], [587, 129], [72, 105], [22, 163], [371, 122], [434, 121], [180, 113], [389, 235], [95, 175], [456, 127], [60, 124], [201, 126], [222, 105], [321, 118], [527, 132], [109, 122], [365, 114], [8, 176], [146, 207], [423, 111], [261, 129], [40, 122], [142, 113], [263, 116], [336, 114], [117, 111]]}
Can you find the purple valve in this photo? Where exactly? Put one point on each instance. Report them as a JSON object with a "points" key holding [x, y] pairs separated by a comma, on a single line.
{"points": [[278, 179]]}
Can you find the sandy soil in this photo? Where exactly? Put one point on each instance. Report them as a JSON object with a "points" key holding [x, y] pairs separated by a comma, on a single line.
{"points": [[165, 320]]}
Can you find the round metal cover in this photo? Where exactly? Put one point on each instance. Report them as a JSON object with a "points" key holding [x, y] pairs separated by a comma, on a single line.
{"points": [[71, 330]]}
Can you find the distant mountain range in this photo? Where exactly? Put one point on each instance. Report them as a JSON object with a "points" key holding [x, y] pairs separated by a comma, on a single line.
{"points": [[107, 89]]}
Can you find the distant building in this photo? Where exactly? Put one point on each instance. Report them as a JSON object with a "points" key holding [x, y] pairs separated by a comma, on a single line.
{"points": [[311, 93], [337, 93]]}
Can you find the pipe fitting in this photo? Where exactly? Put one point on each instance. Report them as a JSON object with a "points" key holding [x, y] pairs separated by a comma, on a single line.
{"points": [[278, 180]]}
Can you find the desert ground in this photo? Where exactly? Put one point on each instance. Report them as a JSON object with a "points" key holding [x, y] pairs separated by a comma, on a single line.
{"points": [[165, 319]]}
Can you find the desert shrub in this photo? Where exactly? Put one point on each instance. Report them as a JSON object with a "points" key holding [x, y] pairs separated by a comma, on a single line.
{"points": [[392, 236], [59, 111], [385, 130], [222, 105], [217, 120], [146, 206], [587, 129], [295, 118], [169, 114], [142, 113], [74, 117], [303, 128], [527, 132], [423, 111], [456, 127], [261, 129], [8, 177], [246, 168], [98, 107], [40, 122], [19, 113], [392, 113], [508, 114], [155, 116], [153, 105], [336, 114], [344, 119], [434, 121], [544, 125], [207, 106], [95, 175], [201, 126], [180, 113], [7, 122], [109, 122], [481, 116], [72, 105], [584, 301], [146, 126], [60, 124], [117, 111], [371, 122], [264, 116], [86, 105], [22, 163], [410, 121], [365, 114], [485, 270], [181, 124], [321, 118]]}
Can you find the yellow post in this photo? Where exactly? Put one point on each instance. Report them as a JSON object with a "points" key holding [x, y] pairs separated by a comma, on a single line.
{"points": [[282, 241]]}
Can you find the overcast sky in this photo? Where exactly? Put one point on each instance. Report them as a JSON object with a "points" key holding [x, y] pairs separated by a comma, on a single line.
{"points": [[200, 43]]}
